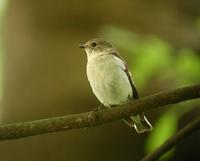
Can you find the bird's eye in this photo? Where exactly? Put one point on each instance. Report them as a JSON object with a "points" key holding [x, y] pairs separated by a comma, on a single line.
{"points": [[93, 44]]}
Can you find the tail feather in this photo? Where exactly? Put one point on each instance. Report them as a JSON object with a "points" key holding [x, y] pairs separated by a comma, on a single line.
{"points": [[139, 122]]}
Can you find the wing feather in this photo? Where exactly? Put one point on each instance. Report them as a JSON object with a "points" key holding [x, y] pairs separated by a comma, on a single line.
{"points": [[134, 90]]}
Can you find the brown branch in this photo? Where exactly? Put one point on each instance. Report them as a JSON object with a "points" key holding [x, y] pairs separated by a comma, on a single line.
{"points": [[88, 119], [171, 142]]}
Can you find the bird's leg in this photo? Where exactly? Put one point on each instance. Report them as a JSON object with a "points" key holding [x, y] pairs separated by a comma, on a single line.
{"points": [[98, 108]]}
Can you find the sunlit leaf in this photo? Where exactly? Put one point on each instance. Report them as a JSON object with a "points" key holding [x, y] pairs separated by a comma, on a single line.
{"points": [[153, 56], [165, 127], [188, 66]]}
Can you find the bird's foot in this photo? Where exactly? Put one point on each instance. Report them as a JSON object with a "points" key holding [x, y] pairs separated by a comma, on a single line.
{"points": [[100, 107]]}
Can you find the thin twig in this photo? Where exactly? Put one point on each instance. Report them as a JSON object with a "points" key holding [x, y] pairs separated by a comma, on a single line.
{"points": [[88, 119], [172, 141]]}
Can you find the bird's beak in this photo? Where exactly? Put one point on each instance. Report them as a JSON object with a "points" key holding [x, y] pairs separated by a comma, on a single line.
{"points": [[82, 46]]}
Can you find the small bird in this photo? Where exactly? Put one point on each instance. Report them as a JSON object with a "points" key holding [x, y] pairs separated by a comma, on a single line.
{"points": [[111, 81]]}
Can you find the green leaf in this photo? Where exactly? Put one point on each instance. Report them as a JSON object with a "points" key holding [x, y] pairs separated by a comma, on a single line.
{"points": [[152, 57], [165, 127], [188, 67]]}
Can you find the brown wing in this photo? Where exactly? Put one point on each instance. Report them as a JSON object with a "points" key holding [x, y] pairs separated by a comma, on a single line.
{"points": [[134, 90]]}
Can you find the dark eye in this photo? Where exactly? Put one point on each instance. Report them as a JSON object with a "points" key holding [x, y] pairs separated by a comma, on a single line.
{"points": [[93, 44]]}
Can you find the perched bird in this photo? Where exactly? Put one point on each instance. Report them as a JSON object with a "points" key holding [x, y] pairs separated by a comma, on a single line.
{"points": [[111, 81]]}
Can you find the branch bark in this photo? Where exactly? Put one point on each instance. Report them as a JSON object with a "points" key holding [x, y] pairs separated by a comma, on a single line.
{"points": [[171, 142], [92, 118]]}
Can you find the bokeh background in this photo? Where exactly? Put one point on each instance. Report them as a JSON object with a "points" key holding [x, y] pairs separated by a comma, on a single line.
{"points": [[42, 73]]}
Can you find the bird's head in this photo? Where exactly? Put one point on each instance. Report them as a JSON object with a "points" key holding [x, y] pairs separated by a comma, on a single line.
{"points": [[96, 46]]}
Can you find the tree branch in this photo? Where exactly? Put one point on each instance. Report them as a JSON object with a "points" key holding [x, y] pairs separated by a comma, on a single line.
{"points": [[171, 142], [88, 119]]}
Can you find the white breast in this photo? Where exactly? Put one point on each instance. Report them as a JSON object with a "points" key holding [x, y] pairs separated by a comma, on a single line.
{"points": [[108, 80]]}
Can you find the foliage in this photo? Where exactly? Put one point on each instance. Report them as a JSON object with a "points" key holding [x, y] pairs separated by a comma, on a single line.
{"points": [[164, 128]]}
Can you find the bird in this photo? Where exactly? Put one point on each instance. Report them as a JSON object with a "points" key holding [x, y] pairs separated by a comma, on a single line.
{"points": [[111, 81]]}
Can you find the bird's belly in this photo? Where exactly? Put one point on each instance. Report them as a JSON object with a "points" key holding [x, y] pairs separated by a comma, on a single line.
{"points": [[109, 83]]}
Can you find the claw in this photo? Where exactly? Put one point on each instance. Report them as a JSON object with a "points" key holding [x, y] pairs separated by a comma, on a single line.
{"points": [[98, 108]]}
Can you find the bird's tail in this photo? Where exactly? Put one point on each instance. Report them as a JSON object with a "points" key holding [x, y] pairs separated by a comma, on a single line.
{"points": [[139, 122]]}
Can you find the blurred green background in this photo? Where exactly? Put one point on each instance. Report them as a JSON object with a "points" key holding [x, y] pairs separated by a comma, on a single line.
{"points": [[42, 73]]}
